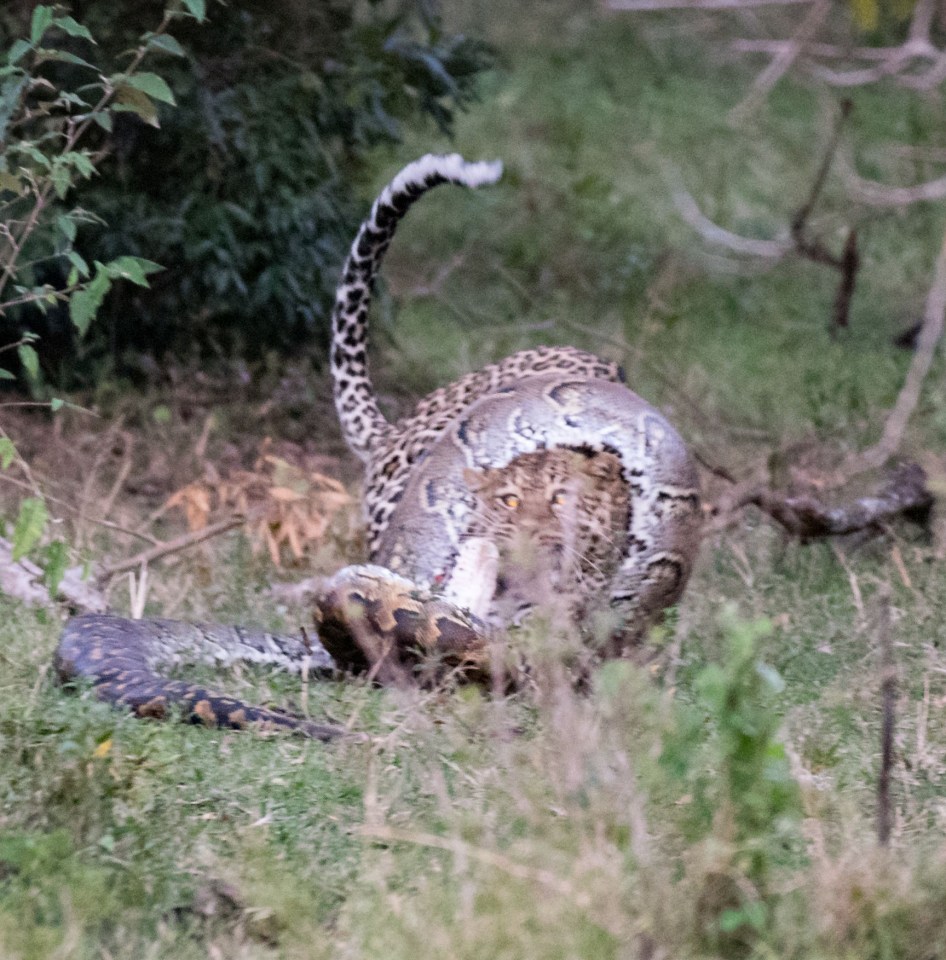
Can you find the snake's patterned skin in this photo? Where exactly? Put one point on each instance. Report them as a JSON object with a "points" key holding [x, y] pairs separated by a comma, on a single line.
{"points": [[122, 659], [418, 501], [391, 450]]}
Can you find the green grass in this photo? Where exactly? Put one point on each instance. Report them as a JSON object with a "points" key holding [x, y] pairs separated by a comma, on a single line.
{"points": [[636, 819]]}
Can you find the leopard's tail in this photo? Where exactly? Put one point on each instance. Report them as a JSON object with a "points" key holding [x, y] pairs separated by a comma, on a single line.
{"points": [[362, 422], [120, 658]]}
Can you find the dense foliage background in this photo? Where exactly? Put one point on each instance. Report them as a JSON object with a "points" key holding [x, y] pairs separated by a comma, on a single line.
{"points": [[245, 190]]}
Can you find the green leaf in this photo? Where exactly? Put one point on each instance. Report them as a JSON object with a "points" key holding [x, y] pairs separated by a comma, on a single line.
{"points": [[6, 375], [30, 361], [9, 182], [82, 163], [10, 92], [196, 8], [29, 526], [67, 227], [42, 18], [135, 269], [73, 28], [130, 100], [56, 403], [19, 48], [78, 263], [84, 303], [54, 566], [104, 120], [166, 43], [61, 179], [7, 452], [151, 84], [65, 57]]}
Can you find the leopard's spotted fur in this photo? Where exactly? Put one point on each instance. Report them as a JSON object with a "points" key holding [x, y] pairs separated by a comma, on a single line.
{"points": [[558, 519], [391, 450]]}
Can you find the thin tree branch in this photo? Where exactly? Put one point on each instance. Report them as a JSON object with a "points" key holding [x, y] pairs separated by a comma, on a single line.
{"points": [[172, 546], [713, 233], [807, 518], [930, 334], [782, 61]]}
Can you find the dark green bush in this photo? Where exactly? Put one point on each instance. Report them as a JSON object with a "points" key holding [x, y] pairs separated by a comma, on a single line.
{"points": [[246, 191]]}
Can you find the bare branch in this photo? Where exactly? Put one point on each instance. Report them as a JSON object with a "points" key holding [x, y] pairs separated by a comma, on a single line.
{"points": [[811, 248], [782, 61], [881, 195], [860, 77], [713, 233], [172, 546], [926, 81], [829, 51], [809, 519], [930, 334], [920, 24]]}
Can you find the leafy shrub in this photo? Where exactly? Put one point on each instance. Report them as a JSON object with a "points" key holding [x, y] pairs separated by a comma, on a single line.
{"points": [[55, 108], [245, 190]]}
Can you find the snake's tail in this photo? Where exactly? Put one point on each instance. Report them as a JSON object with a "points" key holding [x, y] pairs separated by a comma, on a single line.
{"points": [[114, 655], [150, 695], [362, 422]]}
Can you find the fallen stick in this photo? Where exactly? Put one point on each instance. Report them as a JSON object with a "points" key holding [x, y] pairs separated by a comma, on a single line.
{"points": [[172, 546], [24, 580]]}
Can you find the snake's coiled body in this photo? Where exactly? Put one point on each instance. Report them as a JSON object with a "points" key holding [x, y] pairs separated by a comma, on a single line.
{"points": [[423, 539]]}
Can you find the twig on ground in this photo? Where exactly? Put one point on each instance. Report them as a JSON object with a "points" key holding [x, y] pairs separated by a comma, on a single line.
{"points": [[172, 546]]}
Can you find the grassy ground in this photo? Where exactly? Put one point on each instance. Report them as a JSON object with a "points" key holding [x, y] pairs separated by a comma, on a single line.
{"points": [[696, 807]]}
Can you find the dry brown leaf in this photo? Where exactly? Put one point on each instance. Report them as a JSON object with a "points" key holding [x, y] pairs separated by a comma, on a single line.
{"points": [[291, 509]]}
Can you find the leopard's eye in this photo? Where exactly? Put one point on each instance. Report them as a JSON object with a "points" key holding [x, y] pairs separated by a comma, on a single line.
{"points": [[559, 498], [510, 501]]}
